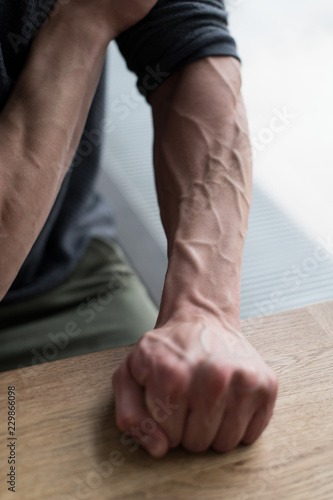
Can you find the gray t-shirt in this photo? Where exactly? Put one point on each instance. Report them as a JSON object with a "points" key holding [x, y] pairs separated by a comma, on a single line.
{"points": [[173, 34]]}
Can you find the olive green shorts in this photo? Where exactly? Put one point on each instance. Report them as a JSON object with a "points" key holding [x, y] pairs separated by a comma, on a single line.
{"points": [[102, 304]]}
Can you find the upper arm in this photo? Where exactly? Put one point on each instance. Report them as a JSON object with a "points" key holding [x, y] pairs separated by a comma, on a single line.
{"points": [[175, 33]]}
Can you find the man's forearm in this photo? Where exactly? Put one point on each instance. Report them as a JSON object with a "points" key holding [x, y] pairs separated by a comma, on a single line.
{"points": [[40, 128], [203, 178]]}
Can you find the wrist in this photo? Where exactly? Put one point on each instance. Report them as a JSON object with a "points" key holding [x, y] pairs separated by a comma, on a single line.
{"points": [[183, 308], [92, 18], [80, 22], [203, 284]]}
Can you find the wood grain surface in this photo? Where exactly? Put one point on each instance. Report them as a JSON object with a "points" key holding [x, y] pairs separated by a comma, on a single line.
{"points": [[68, 446]]}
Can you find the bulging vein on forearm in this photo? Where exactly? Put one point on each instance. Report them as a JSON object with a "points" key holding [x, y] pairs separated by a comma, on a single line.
{"points": [[204, 184]]}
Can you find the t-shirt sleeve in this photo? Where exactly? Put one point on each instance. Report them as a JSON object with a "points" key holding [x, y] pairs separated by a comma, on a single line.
{"points": [[173, 34]]}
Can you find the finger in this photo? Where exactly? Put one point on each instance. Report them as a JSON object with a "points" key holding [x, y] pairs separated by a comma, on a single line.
{"points": [[207, 404], [256, 427], [200, 430], [233, 425], [166, 379], [166, 399], [264, 411], [138, 362], [132, 415]]}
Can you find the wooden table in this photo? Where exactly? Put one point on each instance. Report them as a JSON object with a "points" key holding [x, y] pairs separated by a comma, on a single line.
{"points": [[67, 439]]}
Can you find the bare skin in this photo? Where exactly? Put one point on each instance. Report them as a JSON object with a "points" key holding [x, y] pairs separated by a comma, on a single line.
{"points": [[221, 390], [43, 120]]}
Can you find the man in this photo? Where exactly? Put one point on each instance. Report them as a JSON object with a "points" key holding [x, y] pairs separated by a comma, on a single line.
{"points": [[56, 248]]}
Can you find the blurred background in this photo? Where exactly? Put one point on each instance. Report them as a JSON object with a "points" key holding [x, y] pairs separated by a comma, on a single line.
{"points": [[287, 65]]}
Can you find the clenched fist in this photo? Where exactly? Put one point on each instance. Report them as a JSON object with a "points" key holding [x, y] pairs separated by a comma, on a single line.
{"points": [[194, 382]]}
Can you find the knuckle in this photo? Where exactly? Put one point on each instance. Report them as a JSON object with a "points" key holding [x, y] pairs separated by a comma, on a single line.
{"points": [[219, 378], [269, 387], [144, 346], [174, 378], [246, 379], [272, 387], [274, 383]]}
